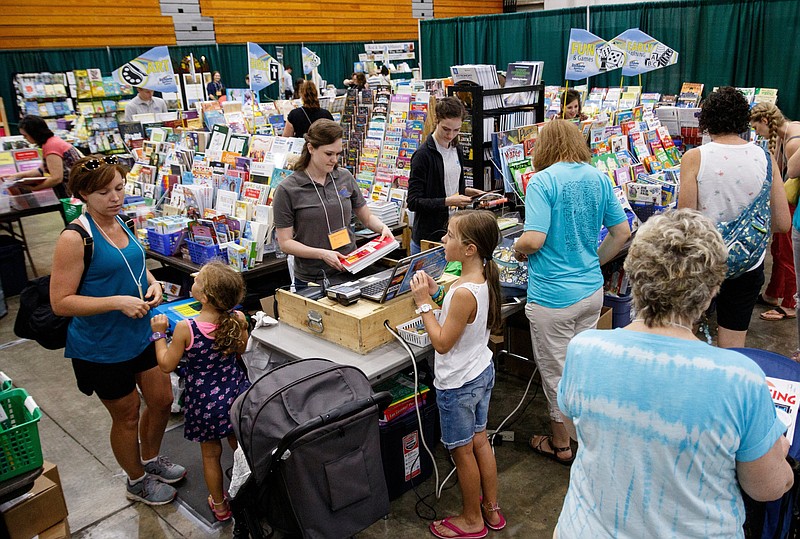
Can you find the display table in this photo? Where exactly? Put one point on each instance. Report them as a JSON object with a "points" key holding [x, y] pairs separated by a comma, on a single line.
{"points": [[268, 266], [292, 344]]}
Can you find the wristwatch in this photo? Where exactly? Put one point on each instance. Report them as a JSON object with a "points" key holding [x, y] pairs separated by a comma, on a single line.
{"points": [[159, 335], [424, 308]]}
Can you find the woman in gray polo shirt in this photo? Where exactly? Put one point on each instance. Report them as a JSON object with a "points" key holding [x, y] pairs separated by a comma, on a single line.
{"points": [[313, 208]]}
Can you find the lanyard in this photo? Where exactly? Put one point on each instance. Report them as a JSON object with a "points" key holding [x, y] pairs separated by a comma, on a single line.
{"points": [[124, 259], [325, 209]]}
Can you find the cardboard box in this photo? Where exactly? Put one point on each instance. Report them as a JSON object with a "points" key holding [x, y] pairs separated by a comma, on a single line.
{"points": [[606, 316], [41, 509], [358, 327], [59, 531]]}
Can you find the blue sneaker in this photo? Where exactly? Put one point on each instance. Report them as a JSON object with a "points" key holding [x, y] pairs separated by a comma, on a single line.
{"points": [[150, 491], [164, 470]]}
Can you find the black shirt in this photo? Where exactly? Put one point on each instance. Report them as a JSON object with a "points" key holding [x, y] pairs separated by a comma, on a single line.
{"points": [[302, 118]]}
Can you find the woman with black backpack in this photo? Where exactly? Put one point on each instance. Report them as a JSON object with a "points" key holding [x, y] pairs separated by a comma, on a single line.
{"points": [[109, 338]]}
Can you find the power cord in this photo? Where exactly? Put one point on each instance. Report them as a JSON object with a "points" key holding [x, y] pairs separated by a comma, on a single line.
{"points": [[416, 401], [439, 488]]}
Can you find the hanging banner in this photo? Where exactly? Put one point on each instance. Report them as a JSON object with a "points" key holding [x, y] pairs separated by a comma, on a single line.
{"points": [[643, 53], [310, 60], [263, 68], [589, 55], [151, 70]]}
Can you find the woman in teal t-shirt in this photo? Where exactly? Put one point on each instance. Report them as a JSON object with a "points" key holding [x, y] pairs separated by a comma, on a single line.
{"points": [[566, 203]]}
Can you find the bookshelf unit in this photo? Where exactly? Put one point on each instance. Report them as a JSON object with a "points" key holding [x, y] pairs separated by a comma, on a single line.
{"points": [[477, 146], [43, 94]]}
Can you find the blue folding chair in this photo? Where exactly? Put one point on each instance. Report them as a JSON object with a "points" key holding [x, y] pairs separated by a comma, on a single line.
{"points": [[776, 515]]}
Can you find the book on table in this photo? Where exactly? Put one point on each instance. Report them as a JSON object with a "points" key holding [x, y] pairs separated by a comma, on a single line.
{"points": [[369, 253]]}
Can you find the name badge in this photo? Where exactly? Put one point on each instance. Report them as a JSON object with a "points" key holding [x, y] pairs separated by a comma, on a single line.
{"points": [[339, 238]]}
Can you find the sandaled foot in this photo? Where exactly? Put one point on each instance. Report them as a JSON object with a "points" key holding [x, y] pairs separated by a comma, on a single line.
{"points": [[447, 529], [492, 516], [544, 446], [778, 313], [796, 356], [222, 510]]}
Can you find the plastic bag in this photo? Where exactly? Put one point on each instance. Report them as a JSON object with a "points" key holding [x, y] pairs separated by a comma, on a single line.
{"points": [[258, 359]]}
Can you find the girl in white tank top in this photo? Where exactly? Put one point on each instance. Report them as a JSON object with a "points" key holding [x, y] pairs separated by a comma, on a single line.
{"points": [[464, 374]]}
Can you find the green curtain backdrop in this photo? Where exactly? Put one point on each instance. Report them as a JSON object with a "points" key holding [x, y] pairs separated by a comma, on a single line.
{"points": [[229, 60], [721, 42]]}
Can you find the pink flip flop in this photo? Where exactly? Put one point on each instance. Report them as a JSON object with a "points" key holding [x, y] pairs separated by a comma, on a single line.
{"points": [[495, 508], [459, 533]]}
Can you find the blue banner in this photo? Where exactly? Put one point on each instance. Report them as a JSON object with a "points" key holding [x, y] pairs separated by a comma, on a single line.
{"points": [[263, 68], [643, 53], [151, 70], [589, 55]]}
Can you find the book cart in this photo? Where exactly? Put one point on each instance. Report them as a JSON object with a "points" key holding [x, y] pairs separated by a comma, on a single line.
{"points": [[477, 144]]}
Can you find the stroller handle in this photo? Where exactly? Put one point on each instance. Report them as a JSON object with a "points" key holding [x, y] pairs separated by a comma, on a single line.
{"points": [[381, 400]]}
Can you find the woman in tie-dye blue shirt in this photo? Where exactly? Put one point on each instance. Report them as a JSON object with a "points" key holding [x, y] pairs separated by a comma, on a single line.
{"points": [[666, 423]]}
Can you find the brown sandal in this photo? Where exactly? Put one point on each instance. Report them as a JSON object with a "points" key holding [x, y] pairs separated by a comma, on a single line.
{"points": [[553, 453]]}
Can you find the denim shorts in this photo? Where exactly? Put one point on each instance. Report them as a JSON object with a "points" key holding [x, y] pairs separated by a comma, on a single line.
{"points": [[465, 411]]}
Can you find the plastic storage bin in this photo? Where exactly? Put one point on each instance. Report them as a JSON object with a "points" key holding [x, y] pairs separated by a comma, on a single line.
{"points": [[621, 313], [20, 449], [35, 199], [201, 254], [165, 244], [405, 461], [646, 211]]}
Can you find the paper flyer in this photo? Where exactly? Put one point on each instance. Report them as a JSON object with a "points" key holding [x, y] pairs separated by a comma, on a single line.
{"points": [[151, 70], [786, 395], [589, 55], [643, 53]]}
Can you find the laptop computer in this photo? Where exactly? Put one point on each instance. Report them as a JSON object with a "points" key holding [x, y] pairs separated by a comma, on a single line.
{"points": [[394, 282]]}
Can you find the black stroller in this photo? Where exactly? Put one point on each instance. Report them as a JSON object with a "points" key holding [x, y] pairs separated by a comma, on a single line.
{"points": [[309, 431]]}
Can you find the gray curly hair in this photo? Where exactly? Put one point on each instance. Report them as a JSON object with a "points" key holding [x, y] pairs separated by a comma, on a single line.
{"points": [[676, 264]]}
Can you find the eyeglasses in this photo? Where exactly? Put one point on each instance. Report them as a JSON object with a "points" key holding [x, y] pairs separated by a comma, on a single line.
{"points": [[94, 164]]}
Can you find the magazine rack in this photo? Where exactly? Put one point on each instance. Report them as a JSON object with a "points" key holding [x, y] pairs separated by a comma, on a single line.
{"points": [[475, 145]]}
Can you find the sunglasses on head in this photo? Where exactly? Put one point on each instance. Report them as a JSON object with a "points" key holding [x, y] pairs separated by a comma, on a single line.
{"points": [[94, 164]]}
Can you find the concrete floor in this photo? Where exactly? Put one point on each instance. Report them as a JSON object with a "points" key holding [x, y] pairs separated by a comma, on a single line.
{"points": [[74, 432]]}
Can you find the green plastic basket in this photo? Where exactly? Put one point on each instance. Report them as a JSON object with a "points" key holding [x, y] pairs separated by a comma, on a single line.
{"points": [[20, 449], [5, 382], [71, 211]]}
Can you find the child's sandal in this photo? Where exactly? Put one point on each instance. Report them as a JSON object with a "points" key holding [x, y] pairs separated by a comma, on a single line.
{"points": [[223, 514], [487, 508]]}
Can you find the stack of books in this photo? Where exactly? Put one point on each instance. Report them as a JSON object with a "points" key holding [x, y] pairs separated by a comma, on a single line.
{"points": [[369, 253], [401, 386], [387, 212]]}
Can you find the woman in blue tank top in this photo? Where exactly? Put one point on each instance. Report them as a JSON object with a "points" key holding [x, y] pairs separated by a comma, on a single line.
{"points": [[109, 339]]}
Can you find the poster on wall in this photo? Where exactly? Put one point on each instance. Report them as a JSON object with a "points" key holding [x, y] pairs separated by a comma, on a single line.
{"points": [[151, 70], [589, 55], [643, 53]]}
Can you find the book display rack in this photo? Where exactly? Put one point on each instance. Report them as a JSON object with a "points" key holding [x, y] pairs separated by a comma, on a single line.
{"points": [[487, 115]]}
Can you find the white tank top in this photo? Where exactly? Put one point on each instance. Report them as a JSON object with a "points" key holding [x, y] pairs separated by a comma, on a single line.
{"points": [[729, 179], [470, 356]]}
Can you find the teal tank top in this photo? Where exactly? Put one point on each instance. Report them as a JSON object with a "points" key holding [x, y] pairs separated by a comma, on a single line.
{"points": [[110, 337]]}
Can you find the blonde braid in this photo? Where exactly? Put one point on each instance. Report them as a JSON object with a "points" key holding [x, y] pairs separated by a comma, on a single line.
{"points": [[772, 123], [775, 119]]}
